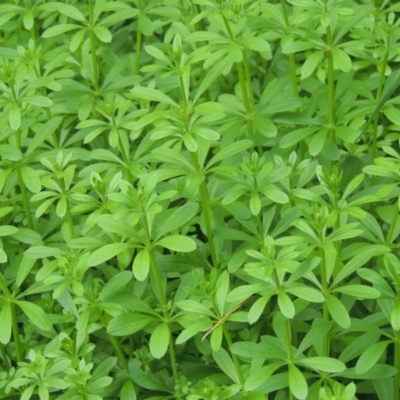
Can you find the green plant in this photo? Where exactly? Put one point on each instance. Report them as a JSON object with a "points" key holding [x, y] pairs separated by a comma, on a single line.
{"points": [[199, 200]]}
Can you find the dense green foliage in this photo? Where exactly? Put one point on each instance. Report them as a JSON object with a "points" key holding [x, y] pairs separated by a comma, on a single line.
{"points": [[199, 200]]}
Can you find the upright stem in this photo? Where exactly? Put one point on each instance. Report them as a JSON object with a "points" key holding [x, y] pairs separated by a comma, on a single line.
{"points": [[139, 38], [21, 184], [244, 84], [93, 49], [396, 378], [331, 85], [392, 225], [236, 362], [378, 97], [14, 322], [292, 59], [115, 343], [325, 312], [207, 211], [160, 292]]}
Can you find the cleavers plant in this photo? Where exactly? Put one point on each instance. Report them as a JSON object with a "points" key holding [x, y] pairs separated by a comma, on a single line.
{"points": [[199, 199]]}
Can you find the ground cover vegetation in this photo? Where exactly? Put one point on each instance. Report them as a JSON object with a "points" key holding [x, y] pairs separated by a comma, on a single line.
{"points": [[199, 200]]}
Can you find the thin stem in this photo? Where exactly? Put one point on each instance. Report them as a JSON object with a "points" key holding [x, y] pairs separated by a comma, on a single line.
{"points": [[331, 85], [48, 113], [14, 322], [288, 339], [160, 292], [248, 78], [93, 49], [392, 226], [139, 39], [21, 184], [235, 360], [207, 211], [24, 194], [115, 343], [243, 83], [325, 311], [378, 97], [396, 378], [292, 59]]}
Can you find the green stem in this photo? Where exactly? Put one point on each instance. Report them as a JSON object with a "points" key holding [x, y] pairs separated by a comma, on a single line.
{"points": [[207, 211], [48, 113], [288, 339], [24, 194], [139, 39], [378, 97], [5, 357], [14, 322], [292, 59], [160, 292], [246, 100], [93, 49], [21, 184], [331, 85], [242, 79], [235, 360], [392, 226], [325, 311], [396, 378], [115, 343], [248, 78]]}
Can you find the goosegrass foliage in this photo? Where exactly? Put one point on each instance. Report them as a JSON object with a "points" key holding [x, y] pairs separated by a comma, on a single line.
{"points": [[199, 200]]}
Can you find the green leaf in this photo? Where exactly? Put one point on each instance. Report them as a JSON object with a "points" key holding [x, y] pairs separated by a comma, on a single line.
{"points": [[345, 232], [355, 263], [286, 305], [311, 63], [128, 323], [319, 329], [255, 203], [337, 311], [141, 265], [224, 361], [359, 291], [178, 243], [255, 44], [159, 340], [257, 378], [39, 101], [229, 151], [14, 117], [128, 391], [6, 230], [35, 314], [201, 325], [297, 383], [153, 95], [325, 364], [71, 12], [295, 136], [172, 156], [107, 252], [195, 307], [5, 323], [371, 356], [43, 252], [212, 74], [102, 33], [59, 29], [341, 60], [306, 293], [395, 316], [317, 142], [114, 284]]}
